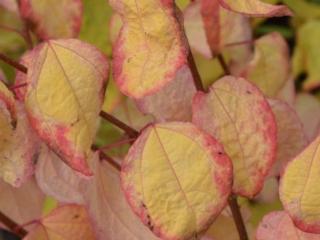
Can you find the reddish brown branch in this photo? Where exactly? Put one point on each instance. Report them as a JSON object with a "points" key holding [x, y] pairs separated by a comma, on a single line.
{"points": [[13, 63], [237, 217], [12, 226], [223, 64], [110, 160], [195, 73], [132, 133]]}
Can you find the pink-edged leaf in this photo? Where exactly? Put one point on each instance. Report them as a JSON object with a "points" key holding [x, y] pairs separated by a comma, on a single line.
{"points": [[291, 136], [108, 209], [63, 223], [270, 67], [177, 179], [151, 46], [22, 204], [53, 19], [7, 101], [238, 115], [270, 191], [211, 28], [64, 97], [308, 109], [256, 8], [115, 27], [20, 152], [57, 179], [279, 226], [300, 189], [172, 102]]}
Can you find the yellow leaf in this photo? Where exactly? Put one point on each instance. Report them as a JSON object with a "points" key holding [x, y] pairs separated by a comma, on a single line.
{"points": [[256, 8], [177, 179], [269, 69], [300, 188], [64, 223], [303, 8], [53, 19], [237, 114], [64, 97], [150, 48]]}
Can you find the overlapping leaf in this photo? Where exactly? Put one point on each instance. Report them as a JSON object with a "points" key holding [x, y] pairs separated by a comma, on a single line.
{"points": [[53, 19], [238, 115], [111, 215], [300, 189], [22, 204], [173, 102], [271, 52], [150, 48], [56, 179], [64, 97], [19, 152], [256, 8], [308, 109], [291, 136], [177, 179], [211, 28], [63, 223], [304, 9], [306, 56], [278, 225]]}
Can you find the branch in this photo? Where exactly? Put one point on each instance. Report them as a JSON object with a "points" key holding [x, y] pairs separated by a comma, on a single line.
{"points": [[110, 160], [13, 226], [129, 130], [13, 63], [195, 73], [237, 217], [223, 64]]}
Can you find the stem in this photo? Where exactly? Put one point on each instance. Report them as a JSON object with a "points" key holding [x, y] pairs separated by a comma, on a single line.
{"points": [[237, 217], [129, 130], [13, 226], [13, 63], [195, 73], [118, 144], [223, 64], [110, 160]]}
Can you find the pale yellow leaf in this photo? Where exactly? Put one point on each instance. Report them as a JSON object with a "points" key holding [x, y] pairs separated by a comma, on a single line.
{"points": [[177, 179], [64, 97]]}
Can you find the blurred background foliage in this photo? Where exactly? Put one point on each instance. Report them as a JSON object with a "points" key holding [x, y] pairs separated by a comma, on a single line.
{"points": [[302, 33]]}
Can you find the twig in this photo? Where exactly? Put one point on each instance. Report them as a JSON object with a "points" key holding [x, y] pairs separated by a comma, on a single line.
{"points": [[110, 160], [132, 133], [223, 64], [117, 144], [237, 217], [195, 73], [13, 63], [13, 226]]}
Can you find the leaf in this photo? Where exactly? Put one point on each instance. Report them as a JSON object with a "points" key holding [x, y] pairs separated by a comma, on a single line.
{"points": [[94, 30], [305, 59], [63, 223], [111, 215], [64, 97], [270, 68], [211, 28], [177, 179], [22, 204], [7, 102], [304, 9], [299, 188], [172, 102], [256, 8], [308, 109], [53, 19], [278, 225], [20, 152], [56, 179], [291, 138], [237, 114], [10, 5], [150, 48], [288, 92]]}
